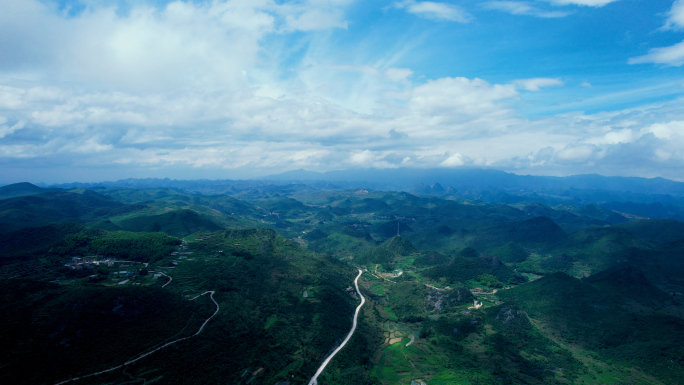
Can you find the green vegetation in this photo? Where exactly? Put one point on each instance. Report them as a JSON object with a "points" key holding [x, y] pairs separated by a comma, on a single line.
{"points": [[461, 269], [599, 322], [73, 330], [178, 223], [467, 293], [511, 253], [388, 252]]}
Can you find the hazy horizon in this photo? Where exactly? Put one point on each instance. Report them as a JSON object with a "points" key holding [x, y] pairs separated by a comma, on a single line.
{"points": [[324, 176]]}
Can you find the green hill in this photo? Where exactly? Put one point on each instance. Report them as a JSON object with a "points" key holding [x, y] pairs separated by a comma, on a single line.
{"points": [[462, 269], [282, 276], [20, 189], [388, 251], [265, 326], [24, 243], [96, 327], [535, 230], [368, 205], [58, 207], [390, 229], [581, 314], [285, 206], [511, 253], [178, 223], [598, 212], [412, 300], [431, 259], [145, 195], [535, 233], [600, 248], [655, 231], [520, 354], [628, 283], [54, 245]]}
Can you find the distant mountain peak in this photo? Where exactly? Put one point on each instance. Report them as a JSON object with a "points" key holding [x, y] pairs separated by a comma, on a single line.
{"points": [[20, 189]]}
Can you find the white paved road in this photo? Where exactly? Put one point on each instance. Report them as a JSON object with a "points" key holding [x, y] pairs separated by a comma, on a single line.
{"points": [[155, 350], [314, 379]]}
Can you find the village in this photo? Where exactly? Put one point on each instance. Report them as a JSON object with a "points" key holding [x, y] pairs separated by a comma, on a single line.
{"points": [[112, 272]]}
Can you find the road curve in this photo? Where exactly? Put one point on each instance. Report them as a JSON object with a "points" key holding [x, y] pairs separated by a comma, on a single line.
{"points": [[169, 277], [211, 295], [314, 379]]}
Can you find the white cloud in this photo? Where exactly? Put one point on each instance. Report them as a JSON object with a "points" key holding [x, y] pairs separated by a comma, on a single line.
{"points": [[590, 3], [180, 44], [454, 160], [613, 137], [317, 19], [89, 146], [362, 158], [668, 131], [673, 56], [462, 118], [200, 85], [576, 153], [523, 8], [675, 19], [460, 98], [536, 84], [8, 130], [308, 157], [434, 11], [628, 143], [398, 74]]}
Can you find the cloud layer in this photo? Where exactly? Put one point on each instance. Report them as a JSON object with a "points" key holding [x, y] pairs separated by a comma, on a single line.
{"points": [[246, 88]]}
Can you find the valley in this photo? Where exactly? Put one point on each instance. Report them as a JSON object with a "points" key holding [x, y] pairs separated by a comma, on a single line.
{"points": [[289, 284]]}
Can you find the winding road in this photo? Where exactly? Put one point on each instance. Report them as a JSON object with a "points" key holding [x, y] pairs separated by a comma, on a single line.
{"points": [[314, 379], [169, 281], [157, 349]]}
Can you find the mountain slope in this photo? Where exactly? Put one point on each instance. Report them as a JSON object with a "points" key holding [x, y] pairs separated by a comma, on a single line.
{"points": [[580, 313], [20, 189], [58, 207], [179, 223]]}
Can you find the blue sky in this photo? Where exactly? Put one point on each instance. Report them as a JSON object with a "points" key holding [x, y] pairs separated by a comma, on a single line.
{"points": [[95, 90]]}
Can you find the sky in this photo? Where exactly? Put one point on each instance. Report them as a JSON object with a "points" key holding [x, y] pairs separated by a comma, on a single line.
{"points": [[94, 90]]}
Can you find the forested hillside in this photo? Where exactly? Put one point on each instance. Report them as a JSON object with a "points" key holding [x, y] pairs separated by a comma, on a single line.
{"points": [[256, 287]]}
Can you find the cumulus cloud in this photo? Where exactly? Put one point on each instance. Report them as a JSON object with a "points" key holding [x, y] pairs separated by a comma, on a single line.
{"points": [[536, 84], [670, 130], [362, 158], [180, 44], [434, 11], [613, 137], [672, 56], [454, 160], [602, 144], [458, 100], [162, 131], [523, 8], [448, 122], [189, 86]]}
